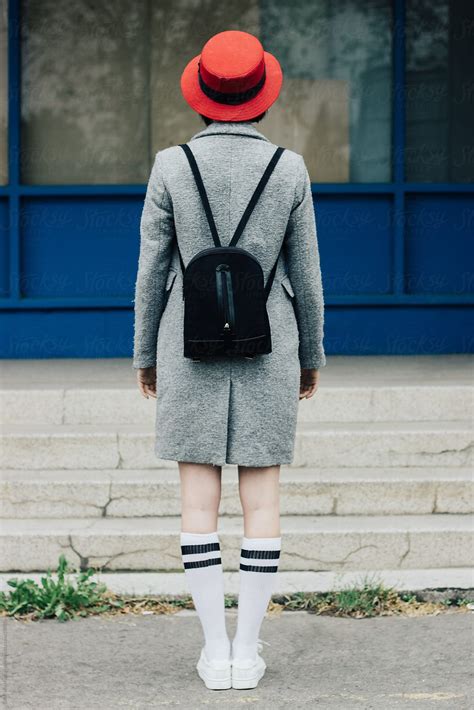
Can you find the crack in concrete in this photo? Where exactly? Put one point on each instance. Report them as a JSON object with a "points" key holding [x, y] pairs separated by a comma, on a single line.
{"points": [[83, 561], [407, 551], [435, 501], [128, 552], [87, 504], [464, 449], [339, 563], [109, 501], [358, 549], [54, 500], [88, 561], [119, 453]]}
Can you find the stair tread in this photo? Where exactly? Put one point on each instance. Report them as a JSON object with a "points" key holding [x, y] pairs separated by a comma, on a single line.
{"points": [[138, 583], [169, 475], [354, 385], [117, 373], [319, 427], [291, 524]]}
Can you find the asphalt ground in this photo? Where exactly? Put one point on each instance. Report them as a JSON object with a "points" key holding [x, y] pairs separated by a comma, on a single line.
{"points": [[131, 661]]}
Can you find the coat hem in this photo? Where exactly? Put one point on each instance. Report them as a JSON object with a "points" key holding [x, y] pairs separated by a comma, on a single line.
{"points": [[189, 458], [256, 462], [259, 463]]}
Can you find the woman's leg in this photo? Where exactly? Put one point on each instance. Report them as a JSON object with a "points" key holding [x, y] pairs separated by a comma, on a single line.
{"points": [[259, 490], [200, 548], [200, 496]]}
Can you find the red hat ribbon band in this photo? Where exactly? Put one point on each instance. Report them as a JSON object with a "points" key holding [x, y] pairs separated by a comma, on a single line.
{"points": [[231, 98]]}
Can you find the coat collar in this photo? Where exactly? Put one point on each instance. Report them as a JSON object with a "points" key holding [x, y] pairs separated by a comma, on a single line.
{"points": [[241, 128]]}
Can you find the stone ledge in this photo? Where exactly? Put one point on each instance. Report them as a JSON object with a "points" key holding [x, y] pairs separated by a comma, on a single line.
{"points": [[325, 543], [323, 445], [174, 583], [303, 491]]}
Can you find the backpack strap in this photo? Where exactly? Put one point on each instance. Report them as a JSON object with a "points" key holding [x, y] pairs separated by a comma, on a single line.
{"points": [[245, 217], [202, 192], [250, 207], [256, 195]]}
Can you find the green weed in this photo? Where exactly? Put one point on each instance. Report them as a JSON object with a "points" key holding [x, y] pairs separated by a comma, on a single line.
{"points": [[70, 596], [61, 598]]}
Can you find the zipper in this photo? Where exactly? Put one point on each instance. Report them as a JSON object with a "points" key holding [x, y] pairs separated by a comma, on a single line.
{"points": [[225, 296], [226, 301]]}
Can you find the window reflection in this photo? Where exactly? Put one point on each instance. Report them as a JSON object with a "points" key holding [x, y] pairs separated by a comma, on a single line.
{"points": [[335, 105], [85, 104], [3, 94], [100, 90], [180, 28], [439, 91]]}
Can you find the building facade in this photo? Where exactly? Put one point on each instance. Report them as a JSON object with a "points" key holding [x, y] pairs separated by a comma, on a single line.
{"points": [[378, 96]]}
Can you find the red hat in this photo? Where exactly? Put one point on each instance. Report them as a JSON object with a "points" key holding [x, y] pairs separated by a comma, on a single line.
{"points": [[232, 79]]}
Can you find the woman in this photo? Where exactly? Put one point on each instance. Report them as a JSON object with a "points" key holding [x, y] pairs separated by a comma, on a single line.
{"points": [[234, 410]]}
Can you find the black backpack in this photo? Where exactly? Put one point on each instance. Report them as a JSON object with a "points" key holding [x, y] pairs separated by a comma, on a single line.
{"points": [[223, 288]]}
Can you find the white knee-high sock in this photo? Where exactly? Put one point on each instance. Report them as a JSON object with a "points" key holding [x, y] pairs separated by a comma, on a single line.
{"points": [[203, 568], [258, 568]]}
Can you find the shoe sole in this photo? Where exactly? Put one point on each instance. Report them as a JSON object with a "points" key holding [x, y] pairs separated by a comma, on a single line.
{"points": [[215, 683], [248, 683]]}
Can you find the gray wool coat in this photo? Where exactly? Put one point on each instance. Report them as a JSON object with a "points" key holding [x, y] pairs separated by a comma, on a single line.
{"points": [[228, 410]]}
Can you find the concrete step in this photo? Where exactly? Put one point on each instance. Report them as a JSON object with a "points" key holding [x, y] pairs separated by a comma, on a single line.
{"points": [[372, 388], [119, 493], [124, 405], [324, 445], [326, 543], [175, 583]]}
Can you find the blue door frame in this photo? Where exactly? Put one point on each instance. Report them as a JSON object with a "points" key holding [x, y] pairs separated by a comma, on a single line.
{"points": [[394, 255]]}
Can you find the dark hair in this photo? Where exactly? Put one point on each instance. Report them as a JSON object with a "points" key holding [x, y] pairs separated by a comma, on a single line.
{"points": [[258, 118]]}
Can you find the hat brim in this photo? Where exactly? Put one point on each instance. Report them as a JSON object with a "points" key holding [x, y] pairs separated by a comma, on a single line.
{"points": [[201, 103]]}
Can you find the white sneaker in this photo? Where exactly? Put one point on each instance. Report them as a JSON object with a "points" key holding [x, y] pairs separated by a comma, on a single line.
{"points": [[215, 674], [247, 673]]}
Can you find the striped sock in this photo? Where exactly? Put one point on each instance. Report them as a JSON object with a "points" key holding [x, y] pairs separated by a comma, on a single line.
{"points": [[258, 567], [203, 568]]}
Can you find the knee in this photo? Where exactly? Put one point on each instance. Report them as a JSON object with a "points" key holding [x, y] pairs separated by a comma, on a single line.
{"points": [[262, 518], [260, 507], [199, 509], [199, 516]]}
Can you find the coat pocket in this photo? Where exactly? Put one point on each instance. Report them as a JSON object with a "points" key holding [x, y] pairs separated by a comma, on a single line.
{"points": [[286, 283], [170, 280], [168, 286]]}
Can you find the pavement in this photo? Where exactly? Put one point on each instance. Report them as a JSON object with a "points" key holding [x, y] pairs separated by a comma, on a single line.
{"points": [[149, 662]]}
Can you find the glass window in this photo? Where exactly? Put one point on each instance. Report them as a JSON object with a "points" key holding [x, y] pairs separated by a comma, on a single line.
{"points": [[3, 94], [335, 105], [101, 89], [439, 91], [180, 28], [85, 107]]}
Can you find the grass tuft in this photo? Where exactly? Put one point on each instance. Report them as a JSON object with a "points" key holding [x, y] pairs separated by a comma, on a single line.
{"points": [[62, 598], [74, 594]]}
